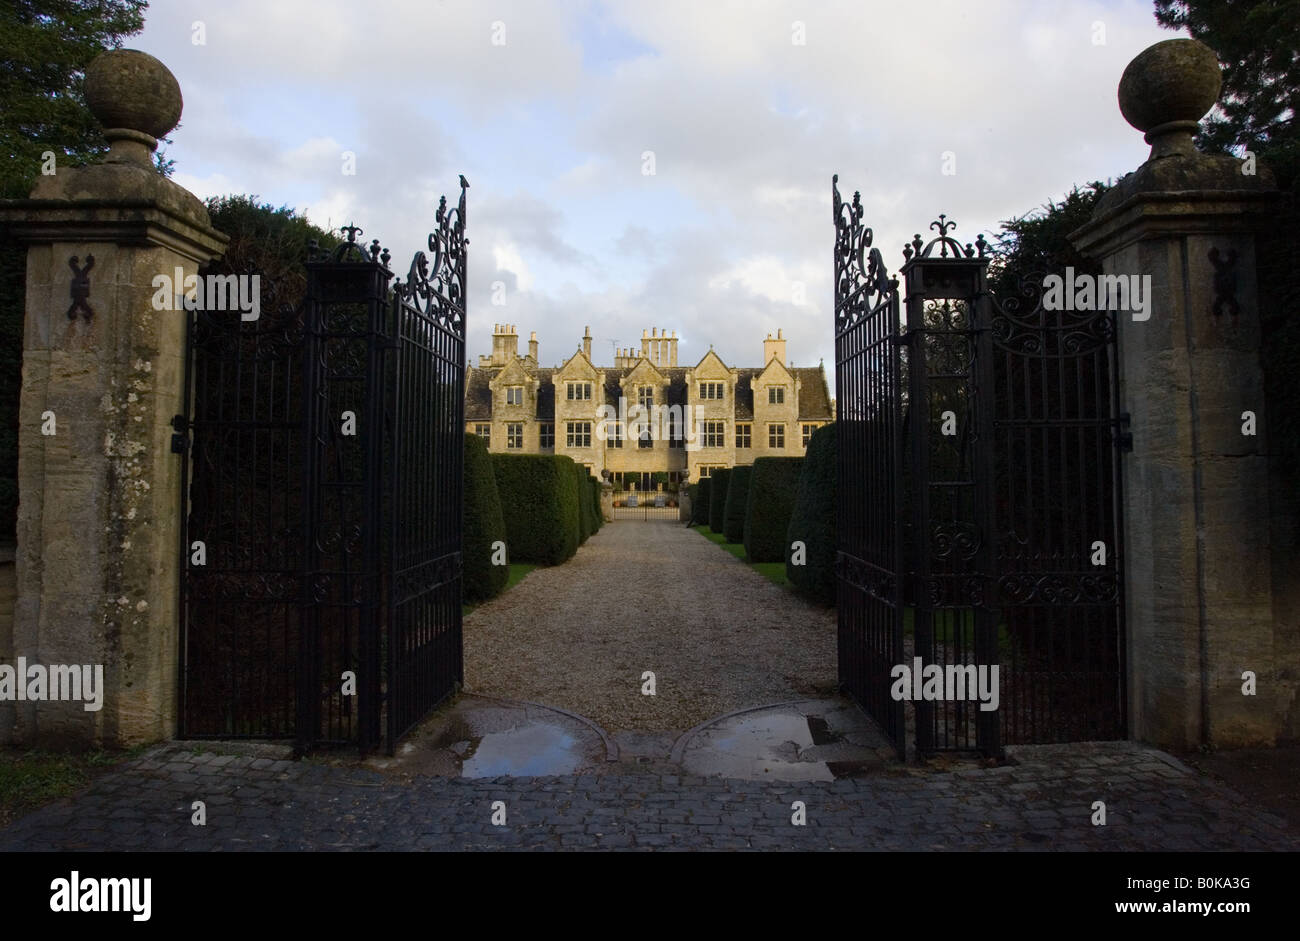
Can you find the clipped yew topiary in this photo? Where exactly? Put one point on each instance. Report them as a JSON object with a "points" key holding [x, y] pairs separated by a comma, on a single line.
{"points": [[539, 500], [772, 487], [718, 498], [586, 525], [700, 502], [812, 520], [593, 497], [693, 495], [484, 525], [737, 502]]}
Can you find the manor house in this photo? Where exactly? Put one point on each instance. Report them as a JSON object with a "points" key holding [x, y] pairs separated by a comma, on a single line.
{"points": [[716, 416]]}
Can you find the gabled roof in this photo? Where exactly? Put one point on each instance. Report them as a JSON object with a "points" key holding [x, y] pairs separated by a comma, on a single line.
{"points": [[675, 376], [582, 363], [723, 367], [517, 370], [775, 366], [478, 394], [641, 368], [814, 395]]}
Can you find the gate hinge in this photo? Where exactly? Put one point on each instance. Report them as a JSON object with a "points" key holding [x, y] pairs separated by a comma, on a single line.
{"points": [[180, 440], [1123, 437]]}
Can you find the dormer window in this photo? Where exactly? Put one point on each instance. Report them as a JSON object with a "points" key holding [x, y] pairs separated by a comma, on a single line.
{"points": [[514, 395], [578, 391], [645, 396], [776, 395], [711, 390]]}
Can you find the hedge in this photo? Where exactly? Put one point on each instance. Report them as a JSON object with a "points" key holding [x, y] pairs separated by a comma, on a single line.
{"points": [[484, 525], [593, 495], [700, 502], [772, 486], [812, 520], [737, 502], [693, 494], [586, 525], [718, 500], [539, 500]]}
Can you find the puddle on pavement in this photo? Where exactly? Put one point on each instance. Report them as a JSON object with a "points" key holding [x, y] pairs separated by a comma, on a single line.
{"points": [[525, 751], [762, 746], [821, 731], [785, 745]]}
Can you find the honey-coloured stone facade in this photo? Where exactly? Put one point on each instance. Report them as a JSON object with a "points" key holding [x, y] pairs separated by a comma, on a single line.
{"points": [[700, 417]]}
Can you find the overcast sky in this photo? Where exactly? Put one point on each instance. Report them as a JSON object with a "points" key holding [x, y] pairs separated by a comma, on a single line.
{"points": [[548, 107]]}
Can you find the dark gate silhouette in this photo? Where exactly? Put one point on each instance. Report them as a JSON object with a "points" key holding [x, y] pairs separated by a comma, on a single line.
{"points": [[321, 595], [979, 477]]}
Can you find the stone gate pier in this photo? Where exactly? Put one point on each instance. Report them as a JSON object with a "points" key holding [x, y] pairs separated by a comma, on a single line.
{"points": [[1207, 578], [99, 487]]}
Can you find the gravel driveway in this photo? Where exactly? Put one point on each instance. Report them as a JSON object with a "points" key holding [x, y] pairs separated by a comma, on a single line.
{"points": [[650, 596]]}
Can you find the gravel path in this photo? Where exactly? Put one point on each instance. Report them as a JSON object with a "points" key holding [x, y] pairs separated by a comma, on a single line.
{"points": [[650, 596]]}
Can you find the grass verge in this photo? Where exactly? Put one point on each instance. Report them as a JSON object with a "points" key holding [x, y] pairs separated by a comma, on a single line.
{"points": [[517, 572], [30, 778], [774, 572]]}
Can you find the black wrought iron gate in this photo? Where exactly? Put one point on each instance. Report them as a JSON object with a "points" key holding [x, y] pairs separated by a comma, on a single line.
{"points": [[320, 599], [868, 405], [979, 477]]}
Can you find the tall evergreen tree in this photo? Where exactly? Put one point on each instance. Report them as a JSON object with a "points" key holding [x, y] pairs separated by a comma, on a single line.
{"points": [[45, 46], [1258, 46], [1038, 242]]}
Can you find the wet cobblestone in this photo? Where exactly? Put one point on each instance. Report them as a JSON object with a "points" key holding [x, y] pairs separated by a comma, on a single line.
{"points": [[1044, 802]]}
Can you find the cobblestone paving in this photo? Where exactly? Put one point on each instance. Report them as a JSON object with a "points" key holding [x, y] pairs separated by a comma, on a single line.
{"points": [[1043, 802]]}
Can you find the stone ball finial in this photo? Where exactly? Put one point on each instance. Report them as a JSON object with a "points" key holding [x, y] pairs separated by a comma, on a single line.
{"points": [[134, 97], [1169, 87]]}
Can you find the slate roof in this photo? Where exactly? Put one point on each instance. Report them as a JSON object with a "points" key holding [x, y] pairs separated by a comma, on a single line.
{"points": [[814, 397], [478, 396]]}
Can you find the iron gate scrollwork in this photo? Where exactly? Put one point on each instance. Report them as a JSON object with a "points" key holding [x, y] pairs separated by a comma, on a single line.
{"points": [[424, 645], [979, 476], [869, 560], [323, 482]]}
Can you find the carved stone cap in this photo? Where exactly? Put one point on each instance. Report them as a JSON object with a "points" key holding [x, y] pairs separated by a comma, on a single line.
{"points": [[135, 98], [1167, 89]]}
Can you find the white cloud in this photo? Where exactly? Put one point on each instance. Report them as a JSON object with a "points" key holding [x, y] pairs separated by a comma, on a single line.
{"points": [[507, 259], [746, 127]]}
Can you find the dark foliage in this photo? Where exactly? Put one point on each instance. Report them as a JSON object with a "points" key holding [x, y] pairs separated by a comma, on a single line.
{"points": [[772, 488], [484, 525], [1256, 42], [717, 505], [737, 502], [45, 46], [813, 517], [539, 500], [586, 523], [700, 502]]}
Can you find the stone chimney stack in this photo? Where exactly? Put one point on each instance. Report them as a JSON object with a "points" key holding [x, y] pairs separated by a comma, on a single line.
{"points": [[532, 346], [774, 348], [505, 344], [658, 347], [586, 341]]}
